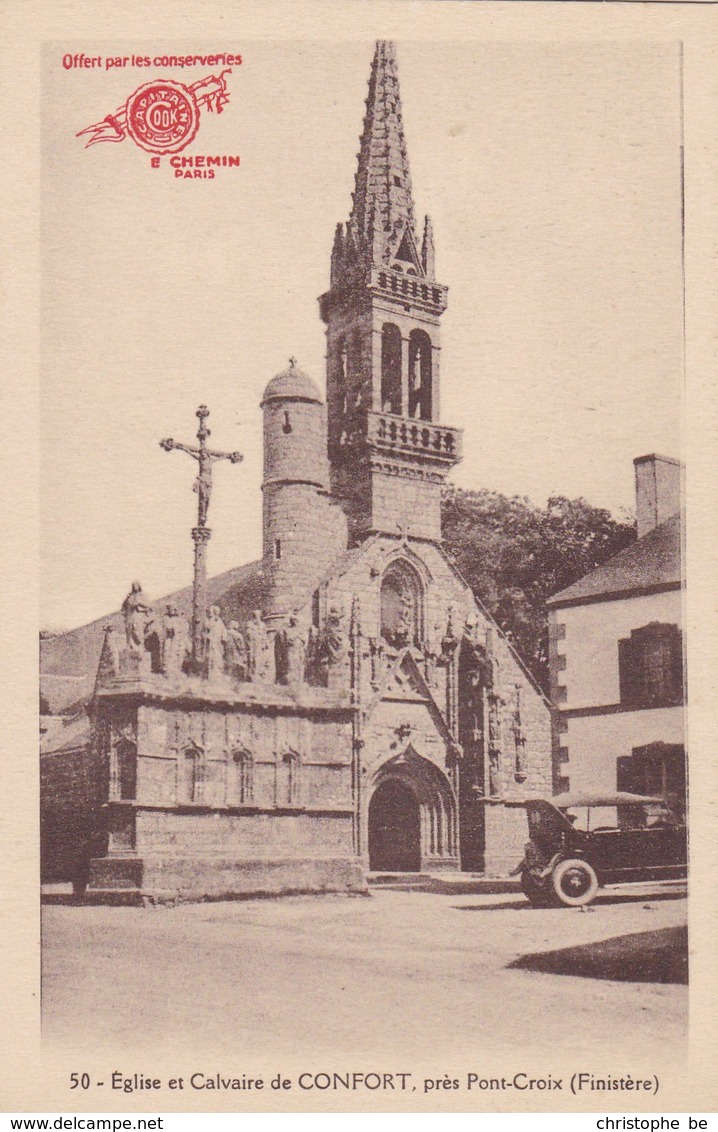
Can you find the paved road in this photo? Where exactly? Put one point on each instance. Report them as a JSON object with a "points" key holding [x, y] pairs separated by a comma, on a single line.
{"points": [[409, 971]]}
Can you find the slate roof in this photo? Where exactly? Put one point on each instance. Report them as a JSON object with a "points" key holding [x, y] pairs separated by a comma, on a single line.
{"points": [[68, 661], [651, 562], [67, 735]]}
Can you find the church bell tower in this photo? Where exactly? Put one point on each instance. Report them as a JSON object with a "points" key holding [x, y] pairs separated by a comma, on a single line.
{"points": [[389, 456]]}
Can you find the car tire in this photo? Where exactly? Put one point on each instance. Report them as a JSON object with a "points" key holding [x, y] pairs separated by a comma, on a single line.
{"points": [[539, 894], [574, 882]]}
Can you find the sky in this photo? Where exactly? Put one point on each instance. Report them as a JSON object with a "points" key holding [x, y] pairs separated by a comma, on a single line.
{"points": [[552, 176]]}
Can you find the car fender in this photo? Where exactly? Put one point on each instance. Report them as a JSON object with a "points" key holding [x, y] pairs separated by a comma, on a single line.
{"points": [[551, 865]]}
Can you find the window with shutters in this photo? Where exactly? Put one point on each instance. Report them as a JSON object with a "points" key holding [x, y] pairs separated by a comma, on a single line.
{"points": [[655, 769], [650, 664]]}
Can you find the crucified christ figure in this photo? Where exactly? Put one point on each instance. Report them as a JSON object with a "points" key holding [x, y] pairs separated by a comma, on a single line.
{"points": [[206, 458]]}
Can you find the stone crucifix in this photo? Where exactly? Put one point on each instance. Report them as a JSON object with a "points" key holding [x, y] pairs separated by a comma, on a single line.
{"points": [[201, 534]]}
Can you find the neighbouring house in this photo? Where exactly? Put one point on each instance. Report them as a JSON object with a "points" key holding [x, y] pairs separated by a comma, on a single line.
{"points": [[617, 657]]}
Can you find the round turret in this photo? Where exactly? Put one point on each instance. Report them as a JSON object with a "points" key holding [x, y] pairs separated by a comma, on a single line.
{"points": [[301, 531], [294, 430]]}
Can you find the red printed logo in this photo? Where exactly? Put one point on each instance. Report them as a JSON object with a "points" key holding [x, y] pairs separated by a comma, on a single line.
{"points": [[162, 116]]}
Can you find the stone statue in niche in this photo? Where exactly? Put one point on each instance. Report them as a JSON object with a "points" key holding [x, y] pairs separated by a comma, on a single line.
{"points": [[257, 642], [135, 611], [112, 651], [520, 765], [176, 643], [432, 656], [494, 720], [405, 629], [494, 772], [216, 643], [494, 729], [154, 641], [335, 636], [290, 645], [451, 637], [296, 651], [399, 612], [331, 645], [236, 651], [376, 659], [475, 655]]}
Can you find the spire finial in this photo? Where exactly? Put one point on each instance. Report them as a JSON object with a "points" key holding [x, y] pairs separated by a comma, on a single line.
{"points": [[292, 362], [427, 249]]}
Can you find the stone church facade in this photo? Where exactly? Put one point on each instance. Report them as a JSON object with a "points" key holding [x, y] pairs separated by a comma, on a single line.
{"points": [[357, 709]]}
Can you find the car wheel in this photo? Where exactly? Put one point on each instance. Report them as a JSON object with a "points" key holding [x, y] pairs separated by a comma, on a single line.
{"points": [[538, 893], [574, 882]]}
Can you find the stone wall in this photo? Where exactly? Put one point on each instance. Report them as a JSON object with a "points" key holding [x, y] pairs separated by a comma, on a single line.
{"points": [[286, 759], [249, 835], [304, 534], [404, 498], [73, 786], [241, 781], [228, 800]]}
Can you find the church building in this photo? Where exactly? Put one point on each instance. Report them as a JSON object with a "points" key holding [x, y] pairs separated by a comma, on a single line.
{"points": [[344, 705]]}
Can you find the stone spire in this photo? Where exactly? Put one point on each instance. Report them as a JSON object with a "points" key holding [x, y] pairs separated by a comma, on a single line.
{"points": [[382, 216], [388, 454]]}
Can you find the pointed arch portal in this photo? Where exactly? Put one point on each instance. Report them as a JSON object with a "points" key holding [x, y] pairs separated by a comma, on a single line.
{"points": [[411, 817], [394, 828]]}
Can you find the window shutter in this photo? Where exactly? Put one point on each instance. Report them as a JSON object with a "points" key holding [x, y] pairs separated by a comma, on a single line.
{"points": [[628, 676], [678, 694], [650, 665], [655, 642], [628, 775]]}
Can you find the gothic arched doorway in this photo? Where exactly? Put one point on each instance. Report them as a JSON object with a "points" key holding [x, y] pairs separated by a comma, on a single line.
{"points": [[394, 828]]}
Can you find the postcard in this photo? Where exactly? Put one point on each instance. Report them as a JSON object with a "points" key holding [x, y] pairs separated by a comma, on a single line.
{"points": [[361, 444]]}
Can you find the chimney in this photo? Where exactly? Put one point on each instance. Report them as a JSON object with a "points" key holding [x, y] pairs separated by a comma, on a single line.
{"points": [[659, 482]]}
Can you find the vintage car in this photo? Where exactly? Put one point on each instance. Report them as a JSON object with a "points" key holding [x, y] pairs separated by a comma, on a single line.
{"points": [[580, 841]]}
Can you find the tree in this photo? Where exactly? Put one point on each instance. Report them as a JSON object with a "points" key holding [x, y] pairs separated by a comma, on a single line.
{"points": [[515, 555]]}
